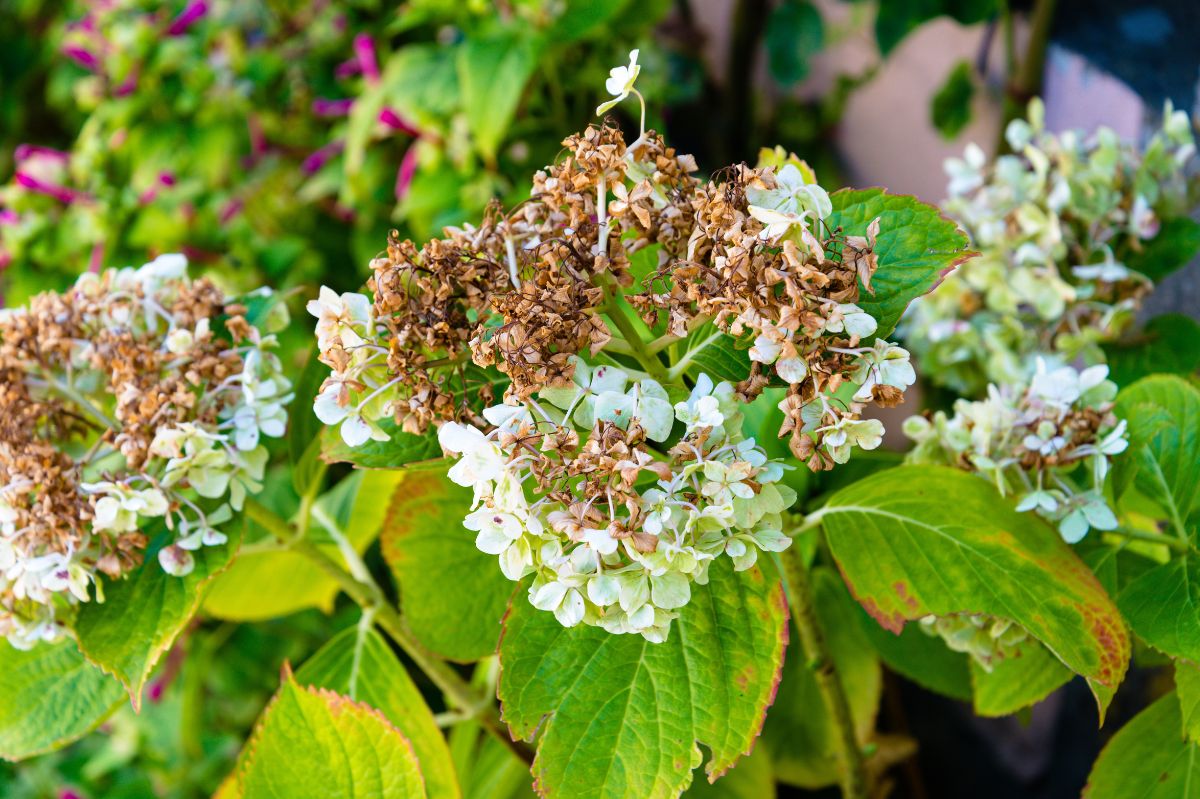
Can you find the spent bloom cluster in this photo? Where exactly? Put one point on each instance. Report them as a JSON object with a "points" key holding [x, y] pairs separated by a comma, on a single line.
{"points": [[613, 516], [615, 468], [1060, 225], [134, 401], [1049, 442], [985, 638]]}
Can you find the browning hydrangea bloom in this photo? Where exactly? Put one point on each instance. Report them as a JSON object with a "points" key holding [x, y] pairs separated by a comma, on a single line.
{"points": [[616, 469], [135, 399], [1055, 223], [1030, 439]]}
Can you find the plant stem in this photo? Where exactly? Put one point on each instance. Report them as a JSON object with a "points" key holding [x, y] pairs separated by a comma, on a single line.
{"points": [[369, 597], [1024, 79], [812, 639], [653, 366], [1152, 538]]}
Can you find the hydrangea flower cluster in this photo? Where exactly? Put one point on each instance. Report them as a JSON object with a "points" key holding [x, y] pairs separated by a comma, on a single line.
{"points": [[1057, 225], [985, 638], [137, 398], [616, 470], [583, 493], [1048, 441]]}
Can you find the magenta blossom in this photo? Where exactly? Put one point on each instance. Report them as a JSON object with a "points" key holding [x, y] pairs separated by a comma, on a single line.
{"points": [[82, 56], [396, 122], [324, 107], [60, 193], [406, 172], [364, 48], [26, 151], [192, 12], [314, 162]]}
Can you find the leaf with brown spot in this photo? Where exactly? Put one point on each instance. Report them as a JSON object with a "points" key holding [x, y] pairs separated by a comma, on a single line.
{"points": [[958, 547]]}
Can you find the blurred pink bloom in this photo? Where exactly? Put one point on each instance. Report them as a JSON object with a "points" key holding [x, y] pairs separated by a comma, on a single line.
{"points": [[364, 48], [192, 12], [396, 122], [348, 68], [406, 172], [9, 216], [25, 151], [82, 56], [314, 162], [231, 209], [324, 107], [96, 260], [60, 193]]}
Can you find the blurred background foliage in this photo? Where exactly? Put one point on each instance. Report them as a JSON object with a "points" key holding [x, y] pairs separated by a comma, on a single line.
{"points": [[278, 141]]}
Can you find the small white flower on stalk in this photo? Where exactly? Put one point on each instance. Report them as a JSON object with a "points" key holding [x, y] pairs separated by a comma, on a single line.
{"points": [[884, 364], [482, 462], [847, 433], [620, 83], [341, 319], [116, 507]]}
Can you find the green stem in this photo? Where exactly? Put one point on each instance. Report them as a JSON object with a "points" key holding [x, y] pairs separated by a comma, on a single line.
{"points": [[613, 310], [83, 402], [1024, 79], [681, 366], [1151, 538], [369, 597], [853, 773]]}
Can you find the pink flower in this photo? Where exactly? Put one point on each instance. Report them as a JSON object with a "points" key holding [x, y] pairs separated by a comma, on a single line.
{"points": [[407, 171], [82, 56], [314, 162], [192, 12], [364, 48], [26, 151], [396, 122], [324, 107], [60, 193]]}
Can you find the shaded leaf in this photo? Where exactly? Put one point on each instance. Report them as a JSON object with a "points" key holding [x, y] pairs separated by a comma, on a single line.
{"points": [[803, 741], [1148, 758], [639, 710], [452, 595], [1187, 686], [1166, 461], [268, 583], [1169, 344], [752, 778], [950, 108], [1177, 242], [897, 18], [922, 658], [493, 73], [916, 248], [1015, 683], [143, 613], [358, 664], [907, 552], [794, 33], [51, 697], [1163, 607], [402, 449]]}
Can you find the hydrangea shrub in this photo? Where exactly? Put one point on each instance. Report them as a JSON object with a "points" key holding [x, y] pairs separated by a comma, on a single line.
{"points": [[621, 444]]}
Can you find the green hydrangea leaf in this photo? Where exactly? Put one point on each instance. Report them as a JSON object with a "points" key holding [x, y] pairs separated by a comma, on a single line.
{"points": [[801, 736], [794, 32], [1168, 344], [1163, 607], [358, 664], [916, 248], [51, 697], [907, 552], [922, 658], [311, 742], [452, 595], [950, 109], [1149, 758], [896, 20], [268, 583], [145, 612], [1177, 242], [493, 73], [1187, 686], [627, 717], [1015, 683], [753, 778], [1166, 462], [400, 451]]}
